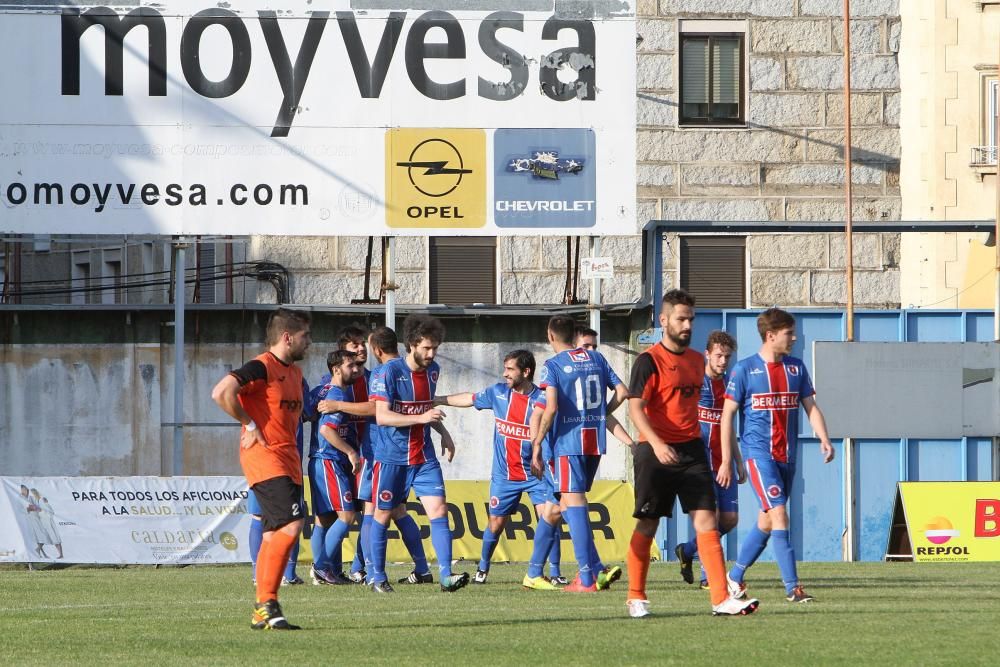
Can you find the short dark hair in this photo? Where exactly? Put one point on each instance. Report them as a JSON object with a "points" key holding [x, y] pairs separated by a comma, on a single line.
{"points": [[418, 327], [336, 359], [285, 320], [524, 360], [774, 319], [678, 297], [353, 333], [584, 331], [384, 339], [720, 337], [563, 328]]}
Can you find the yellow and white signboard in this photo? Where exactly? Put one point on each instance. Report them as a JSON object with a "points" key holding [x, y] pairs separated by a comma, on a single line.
{"points": [[952, 521]]}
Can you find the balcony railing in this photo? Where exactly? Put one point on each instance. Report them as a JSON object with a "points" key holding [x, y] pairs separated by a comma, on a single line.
{"points": [[983, 156]]}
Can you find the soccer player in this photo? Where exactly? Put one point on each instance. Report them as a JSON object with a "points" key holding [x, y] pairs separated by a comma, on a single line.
{"points": [[384, 347], [265, 396], [767, 390], [575, 382], [405, 458], [719, 350], [333, 464], [585, 338], [670, 461], [512, 402]]}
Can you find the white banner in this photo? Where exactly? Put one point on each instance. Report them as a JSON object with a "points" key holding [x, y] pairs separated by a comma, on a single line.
{"points": [[124, 520], [316, 119]]}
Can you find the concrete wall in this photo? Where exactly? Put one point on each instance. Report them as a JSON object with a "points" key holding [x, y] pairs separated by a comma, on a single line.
{"points": [[947, 50], [106, 409]]}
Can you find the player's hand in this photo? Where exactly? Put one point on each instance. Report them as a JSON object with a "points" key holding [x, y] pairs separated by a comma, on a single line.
{"points": [[252, 438], [741, 473], [725, 476], [432, 415], [447, 447], [355, 461], [537, 469], [328, 406], [828, 451], [665, 454]]}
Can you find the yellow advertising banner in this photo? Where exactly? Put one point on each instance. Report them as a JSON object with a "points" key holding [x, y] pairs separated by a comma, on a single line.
{"points": [[611, 505], [952, 521]]}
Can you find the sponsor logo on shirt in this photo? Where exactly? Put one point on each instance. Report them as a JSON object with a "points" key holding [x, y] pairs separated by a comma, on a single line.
{"points": [[411, 407], [756, 371], [793, 370], [782, 400], [511, 430], [579, 356], [709, 415]]}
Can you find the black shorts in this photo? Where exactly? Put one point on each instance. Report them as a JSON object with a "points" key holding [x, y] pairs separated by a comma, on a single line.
{"points": [[658, 485], [280, 501]]}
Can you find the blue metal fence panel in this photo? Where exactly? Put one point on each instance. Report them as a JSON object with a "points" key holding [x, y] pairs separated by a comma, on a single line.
{"points": [[817, 503]]}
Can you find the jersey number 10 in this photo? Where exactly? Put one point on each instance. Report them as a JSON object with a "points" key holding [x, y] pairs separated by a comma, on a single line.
{"points": [[588, 393]]}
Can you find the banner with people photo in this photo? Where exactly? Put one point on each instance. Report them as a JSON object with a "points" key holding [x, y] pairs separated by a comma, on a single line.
{"points": [[124, 520]]}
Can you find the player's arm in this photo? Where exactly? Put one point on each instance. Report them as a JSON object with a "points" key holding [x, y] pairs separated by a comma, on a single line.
{"points": [[741, 470], [385, 416], [226, 396], [818, 423], [330, 435], [463, 400], [727, 435], [665, 454], [358, 409], [616, 429], [621, 395], [540, 428], [447, 444]]}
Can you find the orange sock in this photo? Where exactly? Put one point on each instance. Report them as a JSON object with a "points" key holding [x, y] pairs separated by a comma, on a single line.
{"points": [[710, 553], [638, 565], [271, 561]]}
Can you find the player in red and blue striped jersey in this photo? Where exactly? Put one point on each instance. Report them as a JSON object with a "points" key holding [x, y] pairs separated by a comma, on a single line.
{"points": [[576, 382], [404, 455], [767, 390], [719, 349], [512, 402], [333, 462]]}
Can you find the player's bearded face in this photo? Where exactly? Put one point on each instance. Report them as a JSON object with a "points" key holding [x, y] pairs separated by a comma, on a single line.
{"points": [[298, 343], [678, 325], [424, 352], [514, 376], [359, 349], [718, 359]]}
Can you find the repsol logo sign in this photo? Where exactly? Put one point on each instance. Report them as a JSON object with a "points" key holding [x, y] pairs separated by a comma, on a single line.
{"points": [[942, 551], [369, 63]]}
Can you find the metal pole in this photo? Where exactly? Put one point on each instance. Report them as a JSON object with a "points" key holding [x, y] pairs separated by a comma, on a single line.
{"points": [[177, 467], [996, 230], [389, 263], [595, 290], [849, 203], [850, 502]]}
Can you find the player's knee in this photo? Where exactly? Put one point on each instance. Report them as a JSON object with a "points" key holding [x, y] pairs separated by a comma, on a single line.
{"points": [[778, 516], [326, 519], [346, 517], [647, 527], [704, 522], [728, 521]]}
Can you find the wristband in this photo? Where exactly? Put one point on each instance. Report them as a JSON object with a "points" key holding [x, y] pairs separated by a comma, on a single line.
{"points": [[250, 426]]}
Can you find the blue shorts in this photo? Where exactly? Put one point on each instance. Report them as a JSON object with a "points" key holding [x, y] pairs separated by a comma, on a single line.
{"points": [[253, 507], [575, 474], [365, 481], [391, 483], [505, 495], [332, 486], [771, 481], [728, 500]]}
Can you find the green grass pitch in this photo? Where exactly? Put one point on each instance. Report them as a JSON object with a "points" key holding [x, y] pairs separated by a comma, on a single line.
{"points": [[865, 613]]}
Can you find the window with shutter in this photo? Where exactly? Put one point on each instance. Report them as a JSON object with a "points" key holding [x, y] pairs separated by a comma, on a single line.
{"points": [[462, 270], [712, 79], [713, 269]]}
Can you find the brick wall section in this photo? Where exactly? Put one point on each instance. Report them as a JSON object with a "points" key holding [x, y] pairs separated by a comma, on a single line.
{"points": [[786, 165]]}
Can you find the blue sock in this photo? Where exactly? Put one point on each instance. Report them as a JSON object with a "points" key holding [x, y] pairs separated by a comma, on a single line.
{"points": [[690, 548], [441, 539], [751, 550], [321, 559], [785, 555], [555, 553], [544, 534], [595, 558], [490, 541], [379, 537], [256, 538], [362, 548], [358, 563], [293, 558], [335, 542], [583, 540], [409, 531]]}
